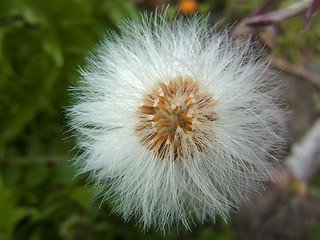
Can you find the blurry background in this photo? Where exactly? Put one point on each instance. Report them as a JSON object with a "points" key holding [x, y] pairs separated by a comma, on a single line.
{"points": [[42, 44]]}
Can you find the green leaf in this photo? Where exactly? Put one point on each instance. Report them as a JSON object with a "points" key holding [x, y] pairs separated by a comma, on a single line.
{"points": [[10, 213], [52, 47], [36, 69]]}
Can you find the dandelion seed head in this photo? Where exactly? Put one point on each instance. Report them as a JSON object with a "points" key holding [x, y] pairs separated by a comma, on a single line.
{"points": [[176, 122]]}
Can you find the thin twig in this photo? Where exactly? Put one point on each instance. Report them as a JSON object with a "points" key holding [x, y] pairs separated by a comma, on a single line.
{"points": [[304, 160], [280, 15], [244, 28], [314, 6], [297, 70]]}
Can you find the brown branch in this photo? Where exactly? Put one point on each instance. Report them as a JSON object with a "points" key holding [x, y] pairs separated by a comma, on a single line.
{"points": [[280, 15], [314, 6], [304, 160], [297, 70], [244, 28]]}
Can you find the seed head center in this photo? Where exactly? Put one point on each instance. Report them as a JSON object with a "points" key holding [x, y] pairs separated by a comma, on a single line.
{"points": [[173, 118]]}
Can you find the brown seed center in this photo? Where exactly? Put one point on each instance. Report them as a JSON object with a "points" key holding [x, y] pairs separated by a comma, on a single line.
{"points": [[173, 118]]}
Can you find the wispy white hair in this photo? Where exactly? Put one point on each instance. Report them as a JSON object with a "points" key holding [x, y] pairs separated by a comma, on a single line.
{"points": [[239, 144]]}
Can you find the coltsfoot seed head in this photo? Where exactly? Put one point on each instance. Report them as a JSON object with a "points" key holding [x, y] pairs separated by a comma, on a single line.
{"points": [[179, 123]]}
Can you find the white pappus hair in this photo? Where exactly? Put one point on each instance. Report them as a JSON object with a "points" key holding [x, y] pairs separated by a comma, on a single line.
{"points": [[176, 120]]}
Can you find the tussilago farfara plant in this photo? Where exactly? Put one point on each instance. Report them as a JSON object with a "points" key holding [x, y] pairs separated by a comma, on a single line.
{"points": [[177, 120]]}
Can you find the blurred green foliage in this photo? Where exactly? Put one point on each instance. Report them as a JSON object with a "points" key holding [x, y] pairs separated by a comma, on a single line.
{"points": [[42, 43], [294, 43]]}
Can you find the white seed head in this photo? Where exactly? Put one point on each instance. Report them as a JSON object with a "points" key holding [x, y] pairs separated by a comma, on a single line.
{"points": [[177, 121]]}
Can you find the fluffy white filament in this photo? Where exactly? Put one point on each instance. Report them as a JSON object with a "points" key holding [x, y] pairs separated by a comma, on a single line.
{"points": [[235, 152]]}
